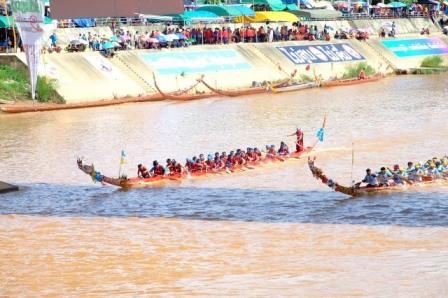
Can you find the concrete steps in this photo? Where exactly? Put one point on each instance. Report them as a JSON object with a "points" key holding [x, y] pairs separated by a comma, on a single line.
{"points": [[124, 66]]}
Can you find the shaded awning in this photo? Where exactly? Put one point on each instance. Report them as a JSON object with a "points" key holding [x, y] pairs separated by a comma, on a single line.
{"points": [[222, 10], [196, 16], [6, 22], [273, 16], [317, 13], [292, 7], [245, 11], [275, 5]]}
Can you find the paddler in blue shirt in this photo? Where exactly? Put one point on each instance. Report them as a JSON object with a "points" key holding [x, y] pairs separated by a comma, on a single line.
{"points": [[384, 177], [370, 179]]}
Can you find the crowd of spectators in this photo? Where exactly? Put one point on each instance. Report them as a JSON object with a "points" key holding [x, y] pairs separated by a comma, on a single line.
{"points": [[184, 37]]}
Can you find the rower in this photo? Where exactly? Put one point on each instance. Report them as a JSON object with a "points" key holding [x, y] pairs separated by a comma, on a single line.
{"points": [[433, 171], [157, 170], [169, 165], [299, 143], [410, 167], [230, 160], [284, 150], [397, 175], [176, 168], [370, 179], [384, 177], [210, 162], [416, 173], [362, 74], [142, 171], [271, 152], [189, 165]]}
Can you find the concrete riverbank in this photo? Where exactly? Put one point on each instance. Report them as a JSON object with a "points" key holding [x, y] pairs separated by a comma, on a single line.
{"points": [[90, 77]]}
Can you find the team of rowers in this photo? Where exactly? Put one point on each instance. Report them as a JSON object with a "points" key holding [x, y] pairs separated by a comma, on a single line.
{"points": [[221, 161], [414, 173]]}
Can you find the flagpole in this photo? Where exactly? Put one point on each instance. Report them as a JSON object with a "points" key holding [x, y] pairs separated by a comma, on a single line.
{"points": [[353, 163]]}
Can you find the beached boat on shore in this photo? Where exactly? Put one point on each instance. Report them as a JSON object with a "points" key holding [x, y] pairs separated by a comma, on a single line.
{"points": [[356, 81], [43, 107], [293, 87], [136, 182], [182, 95], [357, 191], [235, 92]]}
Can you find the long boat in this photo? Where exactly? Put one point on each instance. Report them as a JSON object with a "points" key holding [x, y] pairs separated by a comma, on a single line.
{"points": [[43, 107], [358, 191], [355, 81], [235, 92], [136, 182], [292, 88], [182, 94]]}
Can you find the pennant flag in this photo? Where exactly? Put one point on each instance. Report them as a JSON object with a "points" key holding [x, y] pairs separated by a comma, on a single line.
{"points": [[321, 134], [29, 18], [123, 158]]}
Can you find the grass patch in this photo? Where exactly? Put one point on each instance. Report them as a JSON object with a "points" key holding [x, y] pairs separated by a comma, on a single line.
{"points": [[432, 62], [15, 85], [352, 71], [306, 78]]}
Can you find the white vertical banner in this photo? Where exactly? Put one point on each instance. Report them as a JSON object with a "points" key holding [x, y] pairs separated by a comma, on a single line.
{"points": [[29, 18]]}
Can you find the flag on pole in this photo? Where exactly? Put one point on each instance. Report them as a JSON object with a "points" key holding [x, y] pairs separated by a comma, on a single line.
{"points": [[321, 132], [29, 18], [123, 158]]}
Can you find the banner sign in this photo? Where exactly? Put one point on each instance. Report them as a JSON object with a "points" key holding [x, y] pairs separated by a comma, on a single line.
{"points": [[200, 61], [403, 48], [327, 53], [29, 18], [105, 67]]}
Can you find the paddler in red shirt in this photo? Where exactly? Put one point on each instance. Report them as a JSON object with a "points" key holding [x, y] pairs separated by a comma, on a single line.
{"points": [[157, 170], [299, 142], [362, 74]]}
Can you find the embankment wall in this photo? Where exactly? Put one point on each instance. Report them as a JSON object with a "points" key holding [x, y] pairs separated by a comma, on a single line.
{"points": [[89, 76]]}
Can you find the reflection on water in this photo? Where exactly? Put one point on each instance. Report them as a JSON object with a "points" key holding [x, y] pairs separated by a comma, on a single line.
{"points": [[275, 229]]}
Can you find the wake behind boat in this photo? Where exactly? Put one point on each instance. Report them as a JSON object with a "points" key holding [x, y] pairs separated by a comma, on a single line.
{"points": [[395, 180]]}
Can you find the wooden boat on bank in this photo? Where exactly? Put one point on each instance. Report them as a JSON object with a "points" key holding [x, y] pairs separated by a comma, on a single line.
{"points": [[235, 92], [293, 87], [43, 107], [356, 81], [136, 182], [357, 191], [183, 95]]}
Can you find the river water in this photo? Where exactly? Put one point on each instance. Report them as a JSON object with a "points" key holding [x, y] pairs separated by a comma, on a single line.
{"points": [[272, 231]]}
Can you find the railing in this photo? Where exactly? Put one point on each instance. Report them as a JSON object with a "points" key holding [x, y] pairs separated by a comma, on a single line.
{"points": [[116, 22]]}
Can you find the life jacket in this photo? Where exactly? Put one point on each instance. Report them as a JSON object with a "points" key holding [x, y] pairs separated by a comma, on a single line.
{"points": [[159, 170], [177, 168]]}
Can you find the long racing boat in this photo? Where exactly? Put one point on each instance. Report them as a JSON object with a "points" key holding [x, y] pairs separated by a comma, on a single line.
{"points": [[235, 92], [359, 191], [346, 82], [158, 181], [293, 87], [182, 94]]}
